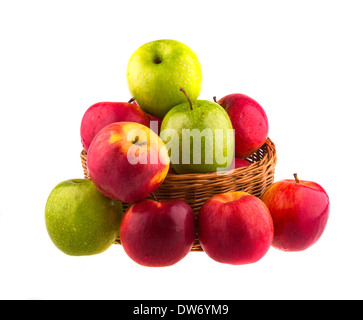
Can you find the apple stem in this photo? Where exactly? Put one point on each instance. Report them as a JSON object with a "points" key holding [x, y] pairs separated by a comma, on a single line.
{"points": [[138, 142], [154, 196], [296, 179], [182, 90], [215, 99], [131, 100]]}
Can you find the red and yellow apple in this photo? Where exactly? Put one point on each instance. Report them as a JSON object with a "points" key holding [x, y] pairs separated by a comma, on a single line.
{"points": [[101, 114], [235, 228], [158, 234], [127, 161], [249, 121], [299, 210]]}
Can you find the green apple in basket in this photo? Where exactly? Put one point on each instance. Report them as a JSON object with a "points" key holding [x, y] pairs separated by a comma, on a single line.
{"points": [[199, 136], [155, 72]]}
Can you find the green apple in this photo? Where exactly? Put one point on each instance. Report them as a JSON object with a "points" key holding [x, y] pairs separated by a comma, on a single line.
{"points": [[199, 136], [155, 72], [80, 220]]}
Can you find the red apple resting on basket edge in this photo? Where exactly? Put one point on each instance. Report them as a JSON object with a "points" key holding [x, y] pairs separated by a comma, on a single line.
{"points": [[101, 114], [158, 234], [299, 210], [249, 121], [235, 228], [127, 161]]}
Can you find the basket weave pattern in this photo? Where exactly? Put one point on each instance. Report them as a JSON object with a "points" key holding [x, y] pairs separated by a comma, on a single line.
{"points": [[197, 188]]}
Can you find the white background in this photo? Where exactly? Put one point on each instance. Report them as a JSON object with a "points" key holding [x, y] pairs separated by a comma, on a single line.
{"points": [[301, 60]]}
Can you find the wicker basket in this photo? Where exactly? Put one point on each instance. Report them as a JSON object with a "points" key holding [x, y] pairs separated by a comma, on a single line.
{"points": [[197, 188]]}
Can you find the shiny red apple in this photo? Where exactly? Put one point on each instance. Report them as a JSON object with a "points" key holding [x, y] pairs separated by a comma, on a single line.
{"points": [[235, 228], [249, 121], [101, 114], [300, 211], [158, 234], [127, 161], [156, 124]]}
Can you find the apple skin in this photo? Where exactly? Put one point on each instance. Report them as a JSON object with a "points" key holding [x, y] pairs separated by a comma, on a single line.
{"points": [[80, 220], [155, 72], [239, 163], [159, 121], [300, 212], [249, 121], [235, 228], [204, 115], [152, 118], [112, 172], [158, 234], [101, 114]]}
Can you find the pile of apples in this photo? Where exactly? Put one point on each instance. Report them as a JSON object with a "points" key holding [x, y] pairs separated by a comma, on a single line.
{"points": [[128, 158]]}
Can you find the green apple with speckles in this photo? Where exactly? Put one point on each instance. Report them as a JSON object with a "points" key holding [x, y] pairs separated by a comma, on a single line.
{"points": [[199, 137], [80, 220], [155, 72]]}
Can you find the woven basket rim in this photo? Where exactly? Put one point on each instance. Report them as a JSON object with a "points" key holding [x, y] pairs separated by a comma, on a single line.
{"points": [[268, 158]]}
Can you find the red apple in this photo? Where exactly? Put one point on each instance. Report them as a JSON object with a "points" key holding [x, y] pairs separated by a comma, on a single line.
{"points": [[249, 121], [158, 234], [235, 228], [299, 210], [101, 114], [239, 163], [152, 118], [156, 125], [127, 161]]}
